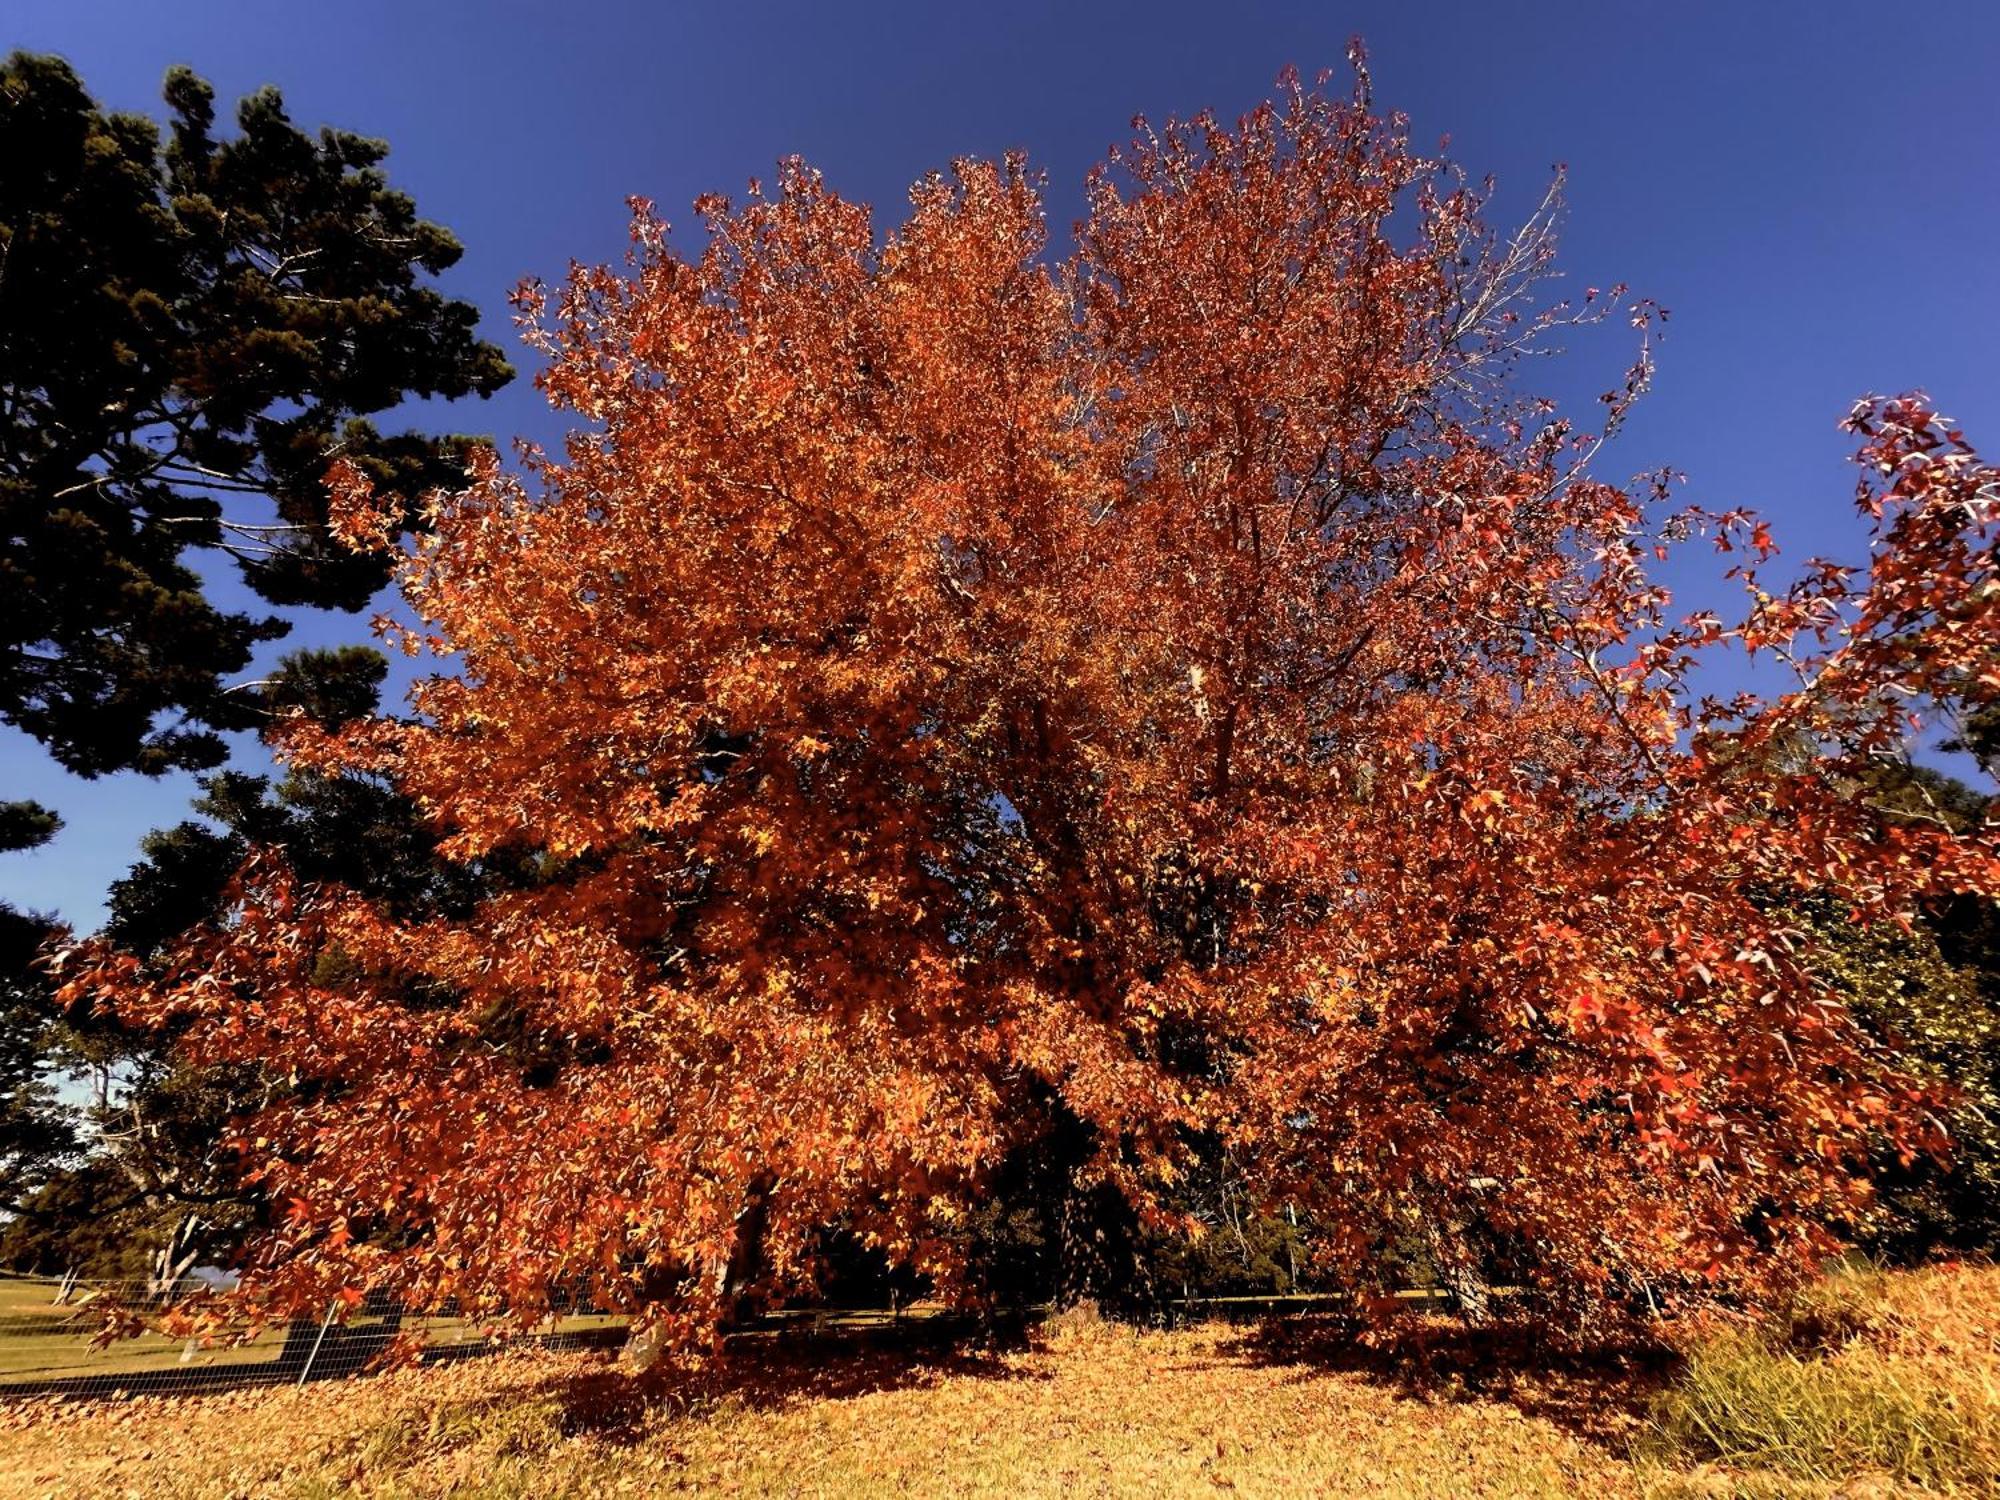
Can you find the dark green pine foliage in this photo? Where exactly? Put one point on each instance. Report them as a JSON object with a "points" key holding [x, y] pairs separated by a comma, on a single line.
{"points": [[26, 825], [191, 330], [38, 1131], [1979, 737], [159, 1190], [351, 831]]}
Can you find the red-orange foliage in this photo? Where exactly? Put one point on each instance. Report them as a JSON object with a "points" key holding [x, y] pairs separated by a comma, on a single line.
{"points": [[1187, 683]]}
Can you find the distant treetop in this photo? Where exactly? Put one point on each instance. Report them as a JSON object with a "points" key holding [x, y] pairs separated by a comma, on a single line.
{"points": [[191, 331]]}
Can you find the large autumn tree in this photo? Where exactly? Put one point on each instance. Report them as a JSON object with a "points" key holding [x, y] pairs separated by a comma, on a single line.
{"points": [[939, 700]]}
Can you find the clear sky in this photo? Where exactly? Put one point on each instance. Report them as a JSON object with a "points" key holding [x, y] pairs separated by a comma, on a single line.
{"points": [[1813, 189]]}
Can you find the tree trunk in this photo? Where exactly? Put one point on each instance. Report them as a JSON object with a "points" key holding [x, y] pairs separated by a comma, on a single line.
{"points": [[1456, 1261], [175, 1258], [643, 1348]]}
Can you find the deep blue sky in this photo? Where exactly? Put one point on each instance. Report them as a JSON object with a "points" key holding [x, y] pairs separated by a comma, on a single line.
{"points": [[1813, 189]]}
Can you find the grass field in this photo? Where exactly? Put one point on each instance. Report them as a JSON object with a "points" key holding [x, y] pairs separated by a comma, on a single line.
{"points": [[1882, 1387], [43, 1343]]}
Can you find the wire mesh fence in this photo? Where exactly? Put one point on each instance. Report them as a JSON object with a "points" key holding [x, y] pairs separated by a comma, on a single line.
{"points": [[48, 1343], [49, 1326]]}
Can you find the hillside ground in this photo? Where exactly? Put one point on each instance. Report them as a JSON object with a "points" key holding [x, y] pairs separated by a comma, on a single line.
{"points": [[1873, 1386]]}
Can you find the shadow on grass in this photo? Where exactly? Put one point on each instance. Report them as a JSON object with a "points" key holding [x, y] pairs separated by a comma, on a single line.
{"points": [[344, 1354], [1596, 1391], [766, 1373], [762, 1365]]}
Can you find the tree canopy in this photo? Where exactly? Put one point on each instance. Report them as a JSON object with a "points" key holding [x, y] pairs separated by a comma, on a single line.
{"points": [[1187, 694], [190, 332]]}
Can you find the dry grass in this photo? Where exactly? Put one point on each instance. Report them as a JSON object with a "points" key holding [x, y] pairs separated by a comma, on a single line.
{"points": [[1092, 1409], [1095, 1410], [1894, 1377]]}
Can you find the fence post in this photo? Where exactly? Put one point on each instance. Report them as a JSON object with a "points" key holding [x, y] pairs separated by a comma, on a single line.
{"points": [[331, 1307]]}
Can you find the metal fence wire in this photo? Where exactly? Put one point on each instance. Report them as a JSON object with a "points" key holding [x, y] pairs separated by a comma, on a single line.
{"points": [[48, 1330], [48, 1347]]}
